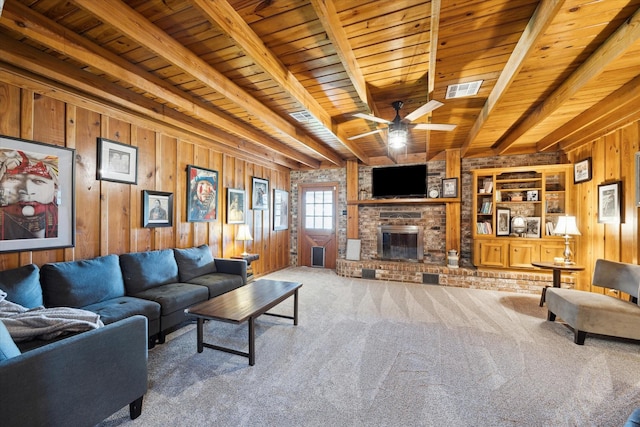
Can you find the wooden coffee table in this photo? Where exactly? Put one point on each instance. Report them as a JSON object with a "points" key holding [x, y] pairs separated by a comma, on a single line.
{"points": [[245, 304]]}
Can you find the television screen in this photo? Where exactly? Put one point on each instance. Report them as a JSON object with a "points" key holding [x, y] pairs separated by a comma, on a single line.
{"points": [[399, 181]]}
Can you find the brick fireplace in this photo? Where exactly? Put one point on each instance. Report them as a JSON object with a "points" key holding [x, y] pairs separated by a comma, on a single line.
{"points": [[400, 243]]}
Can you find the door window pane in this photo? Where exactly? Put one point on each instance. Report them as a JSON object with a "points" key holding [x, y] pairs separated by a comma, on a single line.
{"points": [[319, 210]]}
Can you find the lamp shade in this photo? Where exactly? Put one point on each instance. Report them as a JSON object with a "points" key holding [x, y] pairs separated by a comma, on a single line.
{"points": [[244, 234], [567, 226]]}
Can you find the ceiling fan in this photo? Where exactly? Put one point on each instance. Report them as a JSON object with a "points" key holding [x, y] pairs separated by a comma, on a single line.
{"points": [[399, 128]]}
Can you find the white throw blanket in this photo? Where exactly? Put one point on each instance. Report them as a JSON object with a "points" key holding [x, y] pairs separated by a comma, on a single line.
{"points": [[25, 324]]}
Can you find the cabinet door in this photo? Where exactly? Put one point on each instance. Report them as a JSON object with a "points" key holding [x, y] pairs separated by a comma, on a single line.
{"points": [[521, 255], [491, 254], [548, 251]]}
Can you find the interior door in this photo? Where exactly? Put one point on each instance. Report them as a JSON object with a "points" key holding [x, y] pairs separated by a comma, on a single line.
{"points": [[317, 236]]}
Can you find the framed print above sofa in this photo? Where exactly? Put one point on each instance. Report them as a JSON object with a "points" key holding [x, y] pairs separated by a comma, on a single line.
{"points": [[37, 195]]}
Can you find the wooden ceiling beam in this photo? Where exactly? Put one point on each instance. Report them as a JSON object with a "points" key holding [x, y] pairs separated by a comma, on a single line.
{"points": [[615, 104], [623, 38], [32, 25], [96, 92], [539, 22], [230, 22], [136, 27], [326, 11]]}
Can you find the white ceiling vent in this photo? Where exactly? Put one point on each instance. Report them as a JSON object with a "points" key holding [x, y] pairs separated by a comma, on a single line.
{"points": [[302, 116], [463, 89]]}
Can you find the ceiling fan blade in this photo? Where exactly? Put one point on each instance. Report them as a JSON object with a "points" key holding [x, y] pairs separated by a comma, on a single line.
{"points": [[364, 134], [372, 118], [421, 111], [434, 126]]}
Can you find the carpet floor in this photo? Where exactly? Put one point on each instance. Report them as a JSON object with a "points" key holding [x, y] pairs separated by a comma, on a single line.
{"points": [[376, 353]]}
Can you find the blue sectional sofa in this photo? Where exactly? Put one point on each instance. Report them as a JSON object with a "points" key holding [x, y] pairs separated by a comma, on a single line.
{"points": [[140, 297]]}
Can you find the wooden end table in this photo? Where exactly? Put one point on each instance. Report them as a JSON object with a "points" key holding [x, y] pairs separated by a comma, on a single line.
{"points": [[245, 304], [557, 274], [249, 258]]}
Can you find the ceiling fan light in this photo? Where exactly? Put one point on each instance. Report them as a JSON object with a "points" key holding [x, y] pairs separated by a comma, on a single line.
{"points": [[397, 138]]}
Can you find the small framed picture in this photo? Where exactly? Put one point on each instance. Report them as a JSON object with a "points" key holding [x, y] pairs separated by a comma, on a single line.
{"points": [[117, 162], [260, 194], [533, 226], [235, 206], [532, 196], [503, 221], [582, 171], [610, 202], [157, 209], [280, 210], [450, 187]]}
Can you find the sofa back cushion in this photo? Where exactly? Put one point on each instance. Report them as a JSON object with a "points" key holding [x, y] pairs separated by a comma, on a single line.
{"points": [[80, 283], [617, 275], [8, 348], [194, 262], [22, 285], [146, 270]]}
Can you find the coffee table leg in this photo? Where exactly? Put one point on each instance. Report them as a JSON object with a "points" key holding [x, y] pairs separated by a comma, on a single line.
{"points": [[200, 324], [295, 308], [252, 342]]}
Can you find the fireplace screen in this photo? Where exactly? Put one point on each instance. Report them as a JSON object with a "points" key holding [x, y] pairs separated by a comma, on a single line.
{"points": [[400, 243]]}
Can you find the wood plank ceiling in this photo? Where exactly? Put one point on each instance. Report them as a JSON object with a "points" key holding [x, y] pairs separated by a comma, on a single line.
{"points": [[555, 74]]}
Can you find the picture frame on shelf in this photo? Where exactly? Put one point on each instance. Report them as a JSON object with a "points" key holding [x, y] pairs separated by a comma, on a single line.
{"points": [[48, 220], [117, 162], [533, 226], [259, 194], [503, 220], [157, 209], [280, 210], [610, 202], [582, 171], [532, 196], [202, 194], [236, 204], [450, 187]]}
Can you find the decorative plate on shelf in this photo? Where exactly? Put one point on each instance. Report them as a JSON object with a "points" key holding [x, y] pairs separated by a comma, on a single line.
{"points": [[434, 192]]}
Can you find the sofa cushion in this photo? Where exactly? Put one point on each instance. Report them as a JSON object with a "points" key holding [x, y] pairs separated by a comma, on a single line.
{"points": [[146, 270], [120, 308], [81, 283], [194, 262], [175, 296], [8, 348], [218, 283], [22, 285]]}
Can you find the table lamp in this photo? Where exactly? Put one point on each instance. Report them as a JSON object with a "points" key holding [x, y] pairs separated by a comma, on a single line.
{"points": [[567, 227], [244, 234]]}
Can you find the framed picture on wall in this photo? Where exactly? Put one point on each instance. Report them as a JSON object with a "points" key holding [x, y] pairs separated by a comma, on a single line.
{"points": [[202, 194], [450, 187], [582, 171], [235, 206], [610, 202], [280, 210], [117, 162], [260, 194], [157, 209], [37, 190]]}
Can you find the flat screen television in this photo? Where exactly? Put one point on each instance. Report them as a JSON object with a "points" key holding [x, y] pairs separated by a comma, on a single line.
{"points": [[399, 181]]}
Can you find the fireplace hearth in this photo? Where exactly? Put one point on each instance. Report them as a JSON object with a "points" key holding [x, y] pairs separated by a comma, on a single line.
{"points": [[400, 243]]}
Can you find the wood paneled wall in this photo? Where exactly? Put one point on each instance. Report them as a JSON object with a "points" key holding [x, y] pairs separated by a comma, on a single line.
{"points": [[613, 159], [109, 214]]}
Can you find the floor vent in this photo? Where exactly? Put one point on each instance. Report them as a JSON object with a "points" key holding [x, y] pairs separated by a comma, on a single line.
{"points": [[368, 273], [317, 256], [430, 279]]}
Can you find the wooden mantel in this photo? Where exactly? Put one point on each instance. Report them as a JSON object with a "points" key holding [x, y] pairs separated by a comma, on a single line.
{"points": [[452, 205]]}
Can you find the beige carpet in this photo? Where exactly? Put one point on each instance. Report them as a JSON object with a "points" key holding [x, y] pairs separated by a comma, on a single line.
{"points": [[374, 353]]}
